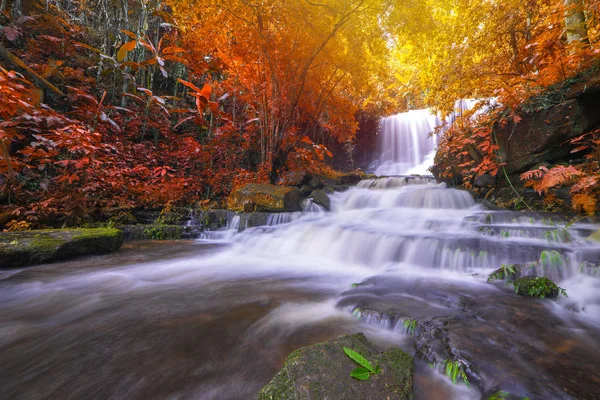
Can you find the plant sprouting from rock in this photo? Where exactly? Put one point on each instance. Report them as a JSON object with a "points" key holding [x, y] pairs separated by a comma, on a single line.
{"points": [[454, 371]]}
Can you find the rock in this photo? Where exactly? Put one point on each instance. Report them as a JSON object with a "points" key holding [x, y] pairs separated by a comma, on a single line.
{"points": [[305, 190], [264, 197], [540, 135], [340, 188], [485, 180], [326, 181], [321, 198], [212, 219], [314, 182], [160, 232], [351, 178], [18, 249], [294, 178], [595, 236], [506, 273], [536, 286], [323, 371]]}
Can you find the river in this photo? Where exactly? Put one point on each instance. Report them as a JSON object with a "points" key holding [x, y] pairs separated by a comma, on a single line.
{"points": [[214, 318]]}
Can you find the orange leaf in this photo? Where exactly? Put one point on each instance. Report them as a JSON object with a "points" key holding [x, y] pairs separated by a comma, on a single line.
{"points": [[206, 91], [127, 47], [173, 49], [190, 85]]}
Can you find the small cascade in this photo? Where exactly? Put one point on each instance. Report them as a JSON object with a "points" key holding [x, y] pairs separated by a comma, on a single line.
{"points": [[311, 207]]}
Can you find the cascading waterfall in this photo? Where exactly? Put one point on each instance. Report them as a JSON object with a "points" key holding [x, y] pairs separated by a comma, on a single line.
{"points": [[406, 143], [214, 319]]}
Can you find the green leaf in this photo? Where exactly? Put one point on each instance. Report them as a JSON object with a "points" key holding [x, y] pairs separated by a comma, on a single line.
{"points": [[358, 359], [377, 369], [362, 374]]}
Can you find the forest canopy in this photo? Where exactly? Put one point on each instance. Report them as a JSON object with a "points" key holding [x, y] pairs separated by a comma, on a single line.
{"points": [[143, 103]]}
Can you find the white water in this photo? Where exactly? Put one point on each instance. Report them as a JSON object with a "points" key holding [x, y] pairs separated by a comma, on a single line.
{"points": [[406, 143], [274, 283]]}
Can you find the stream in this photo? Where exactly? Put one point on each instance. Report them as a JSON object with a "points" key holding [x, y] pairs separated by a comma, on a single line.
{"points": [[214, 318]]}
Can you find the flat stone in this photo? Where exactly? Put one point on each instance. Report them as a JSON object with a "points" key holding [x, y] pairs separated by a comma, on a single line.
{"points": [[323, 371], [19, 249]]}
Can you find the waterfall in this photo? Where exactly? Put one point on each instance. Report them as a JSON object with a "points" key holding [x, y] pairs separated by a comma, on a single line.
{"points": [[406, 143]]}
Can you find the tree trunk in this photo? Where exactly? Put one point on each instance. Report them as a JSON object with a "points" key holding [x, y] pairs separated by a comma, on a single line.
{"points": [[575, 22]]}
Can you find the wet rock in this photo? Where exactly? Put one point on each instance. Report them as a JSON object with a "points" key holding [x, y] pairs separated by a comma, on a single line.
{"points": [[506, 273], [340, 188], [212, 219], [323, 371], [252, 220], [305, 190], [321, 198], [536, 286], [264, 197], [160, 232], [18, 249], [351, 178]]}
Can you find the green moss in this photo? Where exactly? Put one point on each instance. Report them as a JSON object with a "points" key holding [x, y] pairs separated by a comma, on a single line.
{"points": [[40, 246], [537, 286], [403, 366]]}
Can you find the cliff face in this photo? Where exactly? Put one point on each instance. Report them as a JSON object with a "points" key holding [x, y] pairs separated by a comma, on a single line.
{"points": [[541, 137]]}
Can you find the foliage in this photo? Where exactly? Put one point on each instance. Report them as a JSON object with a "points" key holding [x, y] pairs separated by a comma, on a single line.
{"points": [[365, 370], [410, 326], [538, 287], [507, 272], [583, 180], [454, 370], [500, 395]]}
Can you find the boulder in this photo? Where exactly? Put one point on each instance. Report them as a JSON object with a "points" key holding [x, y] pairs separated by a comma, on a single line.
{"points": [[305, 190], [294, 178], [19, 249], [323, 371], [536, 286], [321, 198], [540, 135], [264, 197]]}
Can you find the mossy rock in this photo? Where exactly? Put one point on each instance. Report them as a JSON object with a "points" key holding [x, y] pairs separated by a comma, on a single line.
{"points": [[160, 232], [323, 371], [18, 249], [506, 273], [264, 197], [321, 198], [536, 286], [595, 236]]}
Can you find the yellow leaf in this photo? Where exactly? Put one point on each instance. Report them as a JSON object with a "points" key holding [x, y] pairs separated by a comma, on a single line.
{"points": [[127, 47]]}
